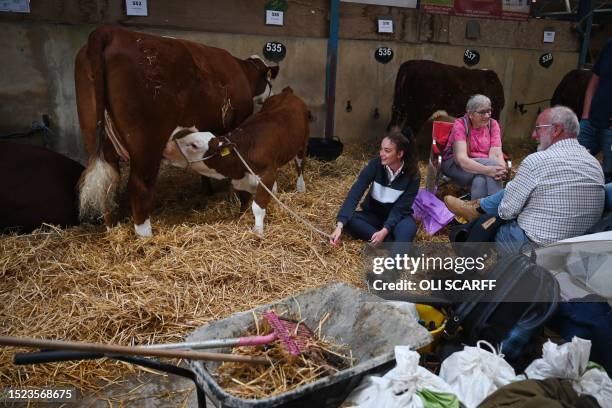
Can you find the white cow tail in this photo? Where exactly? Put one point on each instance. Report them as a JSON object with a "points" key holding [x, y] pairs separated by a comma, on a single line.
{"points": [[98, 184], [98, 189]]}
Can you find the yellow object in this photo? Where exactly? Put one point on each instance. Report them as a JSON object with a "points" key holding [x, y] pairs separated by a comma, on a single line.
{"points": [[431, 314], [461, 220], [225, 151]]}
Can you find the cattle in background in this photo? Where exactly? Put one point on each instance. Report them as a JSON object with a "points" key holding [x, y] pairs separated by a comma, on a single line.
{"points": [[267, 140], [36, 186], [133, 89], [424, 87], [571, 89]]}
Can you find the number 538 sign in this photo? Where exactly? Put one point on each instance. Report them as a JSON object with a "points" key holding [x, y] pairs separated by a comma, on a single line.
{"points": [[136, 7]]}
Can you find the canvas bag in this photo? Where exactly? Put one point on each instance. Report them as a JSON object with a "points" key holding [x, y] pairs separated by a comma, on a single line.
{"points": [[403, 386], [474, 373], [571, 361]]}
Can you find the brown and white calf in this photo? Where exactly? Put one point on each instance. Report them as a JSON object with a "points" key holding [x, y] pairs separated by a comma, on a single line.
{"points": [[132, 89], [275, 135]]}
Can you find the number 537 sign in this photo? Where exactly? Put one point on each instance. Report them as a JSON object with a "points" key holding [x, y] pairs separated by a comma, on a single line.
{"points": [[136, 7]]}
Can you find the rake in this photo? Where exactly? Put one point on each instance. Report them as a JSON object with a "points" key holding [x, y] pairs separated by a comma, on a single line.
{"points": [[295, 337]]}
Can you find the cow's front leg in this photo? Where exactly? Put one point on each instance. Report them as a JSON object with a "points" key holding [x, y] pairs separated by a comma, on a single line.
{"points": [[206, 186], [260, 202], [300, 185], [244, 197], [141, 186]]}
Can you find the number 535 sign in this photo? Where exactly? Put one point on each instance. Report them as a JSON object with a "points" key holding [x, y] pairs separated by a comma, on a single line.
{"points": [[274, 51], [136, 7]]}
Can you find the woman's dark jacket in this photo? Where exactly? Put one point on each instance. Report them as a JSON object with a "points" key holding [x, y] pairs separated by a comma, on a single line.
{"points": [[390, 201]]}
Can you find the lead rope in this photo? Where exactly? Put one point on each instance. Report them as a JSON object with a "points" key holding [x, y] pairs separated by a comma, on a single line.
{"points": [[289, 210]]}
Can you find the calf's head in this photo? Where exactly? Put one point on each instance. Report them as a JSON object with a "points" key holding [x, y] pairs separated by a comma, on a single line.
{"points": [[187, 145]]}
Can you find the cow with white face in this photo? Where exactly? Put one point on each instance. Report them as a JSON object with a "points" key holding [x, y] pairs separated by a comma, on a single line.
{"points": [[132, 89], [261, 97], [267, 140]]}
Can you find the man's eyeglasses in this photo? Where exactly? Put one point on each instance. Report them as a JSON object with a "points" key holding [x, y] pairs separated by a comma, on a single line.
{"points": [[543, 126], [484, 112]]}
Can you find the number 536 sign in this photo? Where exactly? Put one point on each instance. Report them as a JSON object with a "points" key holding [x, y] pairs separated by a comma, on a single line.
{"points": [[136, 7], [383, 54]]}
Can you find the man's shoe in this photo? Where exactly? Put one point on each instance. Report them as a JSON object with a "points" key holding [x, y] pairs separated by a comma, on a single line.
{"points": [[465, 209]]}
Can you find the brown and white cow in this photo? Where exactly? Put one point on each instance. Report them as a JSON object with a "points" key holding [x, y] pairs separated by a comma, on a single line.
{"points": [[133, 89], [267, 140], [424, 87], [36, 186]]}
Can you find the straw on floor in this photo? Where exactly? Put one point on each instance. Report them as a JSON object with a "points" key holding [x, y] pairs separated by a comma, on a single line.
{"points": [[285, 371], [202, 264]]}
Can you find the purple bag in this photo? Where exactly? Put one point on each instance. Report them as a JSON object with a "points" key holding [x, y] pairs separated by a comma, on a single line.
{"points": [[431, 211]]}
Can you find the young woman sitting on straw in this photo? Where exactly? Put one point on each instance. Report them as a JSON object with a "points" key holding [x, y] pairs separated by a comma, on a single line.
{"points": [[393, 181]]}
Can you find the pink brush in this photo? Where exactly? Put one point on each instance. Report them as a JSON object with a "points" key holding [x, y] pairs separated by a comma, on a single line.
{"points": [[295, 337]]}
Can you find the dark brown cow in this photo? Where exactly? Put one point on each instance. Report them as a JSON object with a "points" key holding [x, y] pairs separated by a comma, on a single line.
{"points": [[36, 186], [571, 89], [424, 87], [267, 141], [132, 91]]}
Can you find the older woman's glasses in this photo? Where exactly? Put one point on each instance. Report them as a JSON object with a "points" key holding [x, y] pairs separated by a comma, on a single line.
{"points": [[484, 112]]}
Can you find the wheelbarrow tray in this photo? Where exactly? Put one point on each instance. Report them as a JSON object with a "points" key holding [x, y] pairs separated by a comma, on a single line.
{"points": [[370, 326]]}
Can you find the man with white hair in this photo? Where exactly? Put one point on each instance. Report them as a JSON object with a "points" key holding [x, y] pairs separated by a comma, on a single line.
{"points": [[557, 193]]}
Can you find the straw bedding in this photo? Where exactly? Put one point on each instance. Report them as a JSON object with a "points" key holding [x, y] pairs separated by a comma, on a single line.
{"points": [[285, 372], [202, 264]]}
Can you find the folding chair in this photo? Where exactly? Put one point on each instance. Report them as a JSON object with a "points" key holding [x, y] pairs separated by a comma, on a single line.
{"points": [[439, 137]]}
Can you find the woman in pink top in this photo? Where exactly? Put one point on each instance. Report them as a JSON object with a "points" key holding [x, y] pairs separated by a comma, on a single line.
{"points": [[477, 162]]}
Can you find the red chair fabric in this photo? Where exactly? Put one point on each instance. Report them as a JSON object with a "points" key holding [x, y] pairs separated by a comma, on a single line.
{"points": [[440, 133]]}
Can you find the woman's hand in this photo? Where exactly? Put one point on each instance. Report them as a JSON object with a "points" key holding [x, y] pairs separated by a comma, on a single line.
{"points": [[497, 172], [379, 236], [334, 238]]}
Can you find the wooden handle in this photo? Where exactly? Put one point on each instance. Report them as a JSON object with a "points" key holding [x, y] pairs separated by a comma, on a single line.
{"points": [[126, 351]]}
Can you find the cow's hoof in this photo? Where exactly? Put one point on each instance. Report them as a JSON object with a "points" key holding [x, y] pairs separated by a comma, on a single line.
{"points": [[300, 186], [116, 225], [144, 229], [258, 231]]}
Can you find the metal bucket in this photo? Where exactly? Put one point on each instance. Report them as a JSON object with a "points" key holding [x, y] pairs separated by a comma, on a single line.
{"points": [[370, 326]]}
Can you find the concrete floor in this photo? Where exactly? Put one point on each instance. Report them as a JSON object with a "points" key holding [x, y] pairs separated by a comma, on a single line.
{"points": [[146, 390]]}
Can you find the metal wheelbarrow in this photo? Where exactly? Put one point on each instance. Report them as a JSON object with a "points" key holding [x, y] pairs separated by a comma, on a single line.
{"points": [[370, 326]]}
